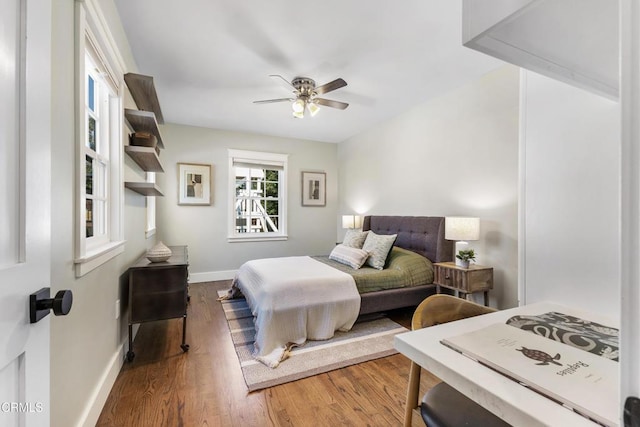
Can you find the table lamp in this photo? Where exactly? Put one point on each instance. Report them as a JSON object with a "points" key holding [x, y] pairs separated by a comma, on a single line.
{"points": [[351, 221], [462, 230]]}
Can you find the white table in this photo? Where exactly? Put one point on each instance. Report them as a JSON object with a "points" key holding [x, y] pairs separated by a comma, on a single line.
{"points": [[504, 397]]}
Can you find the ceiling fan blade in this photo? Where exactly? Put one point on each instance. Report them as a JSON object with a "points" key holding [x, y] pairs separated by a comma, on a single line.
{"points": [[287, 82], [269, 101], [331, 103], [328, 87]]}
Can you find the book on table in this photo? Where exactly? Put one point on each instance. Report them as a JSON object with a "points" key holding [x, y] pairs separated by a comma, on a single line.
{"points": [[582, 381]]}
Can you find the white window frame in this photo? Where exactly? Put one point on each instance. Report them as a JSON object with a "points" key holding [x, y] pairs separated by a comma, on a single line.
{"points": [[93, 36], [264, 159]]}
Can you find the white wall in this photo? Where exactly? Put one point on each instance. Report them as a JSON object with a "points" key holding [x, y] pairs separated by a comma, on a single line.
{"points": [[454, 155], [86, 345], [570, 152], [311, 230]]}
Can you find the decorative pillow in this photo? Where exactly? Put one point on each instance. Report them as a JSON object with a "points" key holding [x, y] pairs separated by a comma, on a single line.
{"points": [[378, 247], [353, 257], [355, 238]]}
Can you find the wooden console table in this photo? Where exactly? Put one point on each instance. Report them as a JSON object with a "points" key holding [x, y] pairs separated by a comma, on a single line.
{"points": [[158, 291]]}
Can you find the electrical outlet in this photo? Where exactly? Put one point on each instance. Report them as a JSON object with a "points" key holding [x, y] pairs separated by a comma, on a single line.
{"points": [[117, 309]]}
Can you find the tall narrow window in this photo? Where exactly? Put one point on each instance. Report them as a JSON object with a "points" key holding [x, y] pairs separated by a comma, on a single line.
{"points": [[96, 151], [258, 196], [99, 106]]}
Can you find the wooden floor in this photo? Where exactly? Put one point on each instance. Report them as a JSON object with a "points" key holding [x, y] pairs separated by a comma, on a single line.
{"points": [[165, 387]]}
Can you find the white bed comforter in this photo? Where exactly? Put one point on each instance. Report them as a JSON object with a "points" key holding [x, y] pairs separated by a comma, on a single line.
{"points": [[294, 299]]}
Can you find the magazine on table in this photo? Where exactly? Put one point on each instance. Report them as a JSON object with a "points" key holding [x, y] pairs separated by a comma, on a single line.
{"points": [[583, 381]]}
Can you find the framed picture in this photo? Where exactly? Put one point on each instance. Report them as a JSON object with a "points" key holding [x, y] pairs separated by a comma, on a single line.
{"points": [[314, 189], [194, 184]]}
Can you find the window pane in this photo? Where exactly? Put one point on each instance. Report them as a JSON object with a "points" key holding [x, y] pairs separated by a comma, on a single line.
{"points": [[91, 94], [271, 189], [271, 207], [89, 175], [271, 175], [100, 174], [274, 221], [241, 186], [100, 217], [89, 216], [241, 224], [91, 133]]}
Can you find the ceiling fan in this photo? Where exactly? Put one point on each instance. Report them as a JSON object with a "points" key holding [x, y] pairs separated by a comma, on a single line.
{"points": [[306, 95]]}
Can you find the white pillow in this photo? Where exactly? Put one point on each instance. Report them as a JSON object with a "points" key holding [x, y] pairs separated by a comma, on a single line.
{"points": [[355, 238], [378, 246], [353, 257]]}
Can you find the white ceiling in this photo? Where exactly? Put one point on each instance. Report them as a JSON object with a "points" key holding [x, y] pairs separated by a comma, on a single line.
{"points": [[211, 58]]}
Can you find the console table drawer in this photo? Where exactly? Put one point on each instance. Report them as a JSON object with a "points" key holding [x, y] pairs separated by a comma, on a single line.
{"points": [[158, 306]]}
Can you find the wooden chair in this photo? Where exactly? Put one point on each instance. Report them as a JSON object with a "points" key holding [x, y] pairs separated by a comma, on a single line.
{"points": [[435, 310]]}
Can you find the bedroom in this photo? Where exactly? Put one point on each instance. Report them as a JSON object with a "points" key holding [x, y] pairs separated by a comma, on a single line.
{"points": [[485, 114]]}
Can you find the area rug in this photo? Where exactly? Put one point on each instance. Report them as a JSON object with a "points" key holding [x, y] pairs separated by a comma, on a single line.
{"points": [[368, 340]]}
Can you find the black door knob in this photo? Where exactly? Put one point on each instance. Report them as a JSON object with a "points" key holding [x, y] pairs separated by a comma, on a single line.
{"points": [[40, 304]]}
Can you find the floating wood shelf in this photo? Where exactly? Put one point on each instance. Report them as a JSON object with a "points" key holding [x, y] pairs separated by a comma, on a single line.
{"points": [[144, 94], [144, 188], [145, 157], [143, 121]]}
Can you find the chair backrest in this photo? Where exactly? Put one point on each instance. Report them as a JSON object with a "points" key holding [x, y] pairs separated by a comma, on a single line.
{"points": [[442, 308]]}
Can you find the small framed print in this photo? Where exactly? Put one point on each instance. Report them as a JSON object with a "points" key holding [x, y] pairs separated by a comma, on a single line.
{"points": [[194, 184], [314, 189]]}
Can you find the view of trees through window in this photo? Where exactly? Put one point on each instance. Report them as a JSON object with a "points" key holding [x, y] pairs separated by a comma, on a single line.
{"points": [[257, 202]]}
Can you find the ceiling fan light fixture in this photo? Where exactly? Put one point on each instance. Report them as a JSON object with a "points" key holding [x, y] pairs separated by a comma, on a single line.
{"points": [[313, 108], [298, 106], [298, 114]]}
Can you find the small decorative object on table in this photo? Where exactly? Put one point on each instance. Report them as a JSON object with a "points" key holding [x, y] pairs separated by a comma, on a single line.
{"points": [[464, 257], [159, 253]]}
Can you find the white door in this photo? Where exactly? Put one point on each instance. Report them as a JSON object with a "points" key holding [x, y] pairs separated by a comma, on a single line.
{"points": [[25, 144], [630, 202]]}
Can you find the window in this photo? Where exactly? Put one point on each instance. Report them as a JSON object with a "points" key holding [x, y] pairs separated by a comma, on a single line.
{"points": [[96, 155], [258, 196], [99, 142]]}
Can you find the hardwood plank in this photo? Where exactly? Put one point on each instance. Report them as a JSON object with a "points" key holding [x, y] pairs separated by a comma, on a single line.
{"points": [[165, 387]]}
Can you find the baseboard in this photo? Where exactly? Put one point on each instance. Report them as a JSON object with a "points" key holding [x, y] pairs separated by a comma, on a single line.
{"points": [[96, 401], [211, 276]]}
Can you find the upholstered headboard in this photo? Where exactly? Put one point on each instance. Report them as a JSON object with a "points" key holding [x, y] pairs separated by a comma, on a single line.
{"points": [[420, 234]]}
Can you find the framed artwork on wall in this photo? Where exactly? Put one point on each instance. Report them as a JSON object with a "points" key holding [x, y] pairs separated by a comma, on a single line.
{"points": [[194, 184], [314, 189]]}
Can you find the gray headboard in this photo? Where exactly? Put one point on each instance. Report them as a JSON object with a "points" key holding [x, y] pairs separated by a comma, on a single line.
{"points": [[420, 234]]}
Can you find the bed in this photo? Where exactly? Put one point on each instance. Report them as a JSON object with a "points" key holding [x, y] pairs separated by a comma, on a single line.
{"points": [[420, 234], [294, 299]]}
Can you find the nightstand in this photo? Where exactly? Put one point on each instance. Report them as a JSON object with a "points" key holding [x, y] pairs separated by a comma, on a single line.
{"points": [[463, 281]]}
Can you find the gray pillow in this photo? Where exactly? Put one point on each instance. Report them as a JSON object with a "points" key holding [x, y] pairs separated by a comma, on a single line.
{"points": [[355, 238], [378, 246]]}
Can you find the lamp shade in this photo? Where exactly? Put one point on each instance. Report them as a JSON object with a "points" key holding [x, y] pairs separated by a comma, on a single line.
{"points": [[313, 108], [461, 228], [351, 221]]}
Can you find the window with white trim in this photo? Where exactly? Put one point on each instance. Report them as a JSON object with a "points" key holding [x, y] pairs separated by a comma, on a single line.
{"points": [[257, 196], [99, 142], [96, 155]]}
